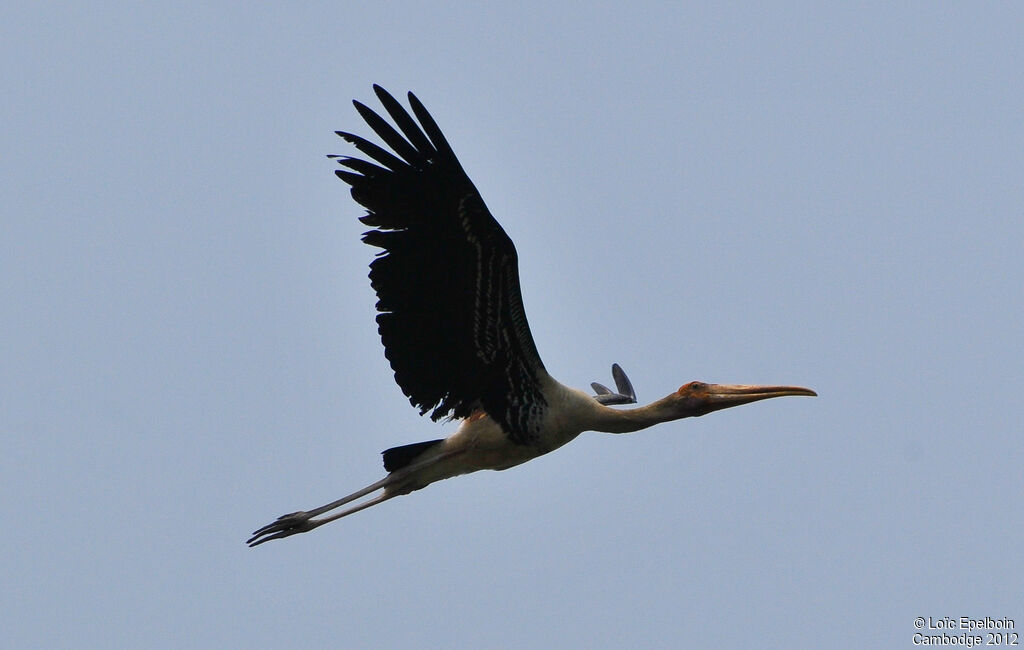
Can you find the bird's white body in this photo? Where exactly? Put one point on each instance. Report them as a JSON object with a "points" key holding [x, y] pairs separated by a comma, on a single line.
{"points": [[480, 442]]}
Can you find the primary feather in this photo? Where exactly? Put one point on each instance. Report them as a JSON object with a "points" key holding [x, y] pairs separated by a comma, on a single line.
{"points": [[447, 280]]}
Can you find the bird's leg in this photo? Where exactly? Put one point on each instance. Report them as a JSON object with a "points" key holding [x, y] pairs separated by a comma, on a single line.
{"points": [[303, 521]]}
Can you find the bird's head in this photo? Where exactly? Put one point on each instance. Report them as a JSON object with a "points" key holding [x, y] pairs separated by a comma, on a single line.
{"points": [[698, 398]]}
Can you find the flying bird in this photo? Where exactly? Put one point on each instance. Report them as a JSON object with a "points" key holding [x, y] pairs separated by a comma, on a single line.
{"points": [[452, 323]]}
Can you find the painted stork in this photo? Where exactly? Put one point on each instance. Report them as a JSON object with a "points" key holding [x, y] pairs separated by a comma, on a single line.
{"points": [[454, 329]]}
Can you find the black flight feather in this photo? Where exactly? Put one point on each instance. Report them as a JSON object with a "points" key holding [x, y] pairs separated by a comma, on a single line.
{"points": [[447, 280]]}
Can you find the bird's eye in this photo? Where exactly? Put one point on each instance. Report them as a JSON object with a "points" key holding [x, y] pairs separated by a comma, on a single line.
{"points": [[691, 387]]}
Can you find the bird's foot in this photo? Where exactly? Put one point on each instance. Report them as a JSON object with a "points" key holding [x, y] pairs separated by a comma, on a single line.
{"points": [[285, 526]]}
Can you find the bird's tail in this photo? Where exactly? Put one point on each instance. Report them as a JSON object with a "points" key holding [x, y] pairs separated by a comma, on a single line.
{"points": [[399, 457]]}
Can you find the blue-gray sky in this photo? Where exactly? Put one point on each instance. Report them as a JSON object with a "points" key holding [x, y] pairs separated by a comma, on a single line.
{"points": [[829, 197]]}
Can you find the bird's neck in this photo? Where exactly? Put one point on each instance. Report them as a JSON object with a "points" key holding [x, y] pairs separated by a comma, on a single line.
{"points": [[609, 420]]}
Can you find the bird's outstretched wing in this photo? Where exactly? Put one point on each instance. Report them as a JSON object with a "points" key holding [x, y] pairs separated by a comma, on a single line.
{"points": [[451, 312], [608, 397]]}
